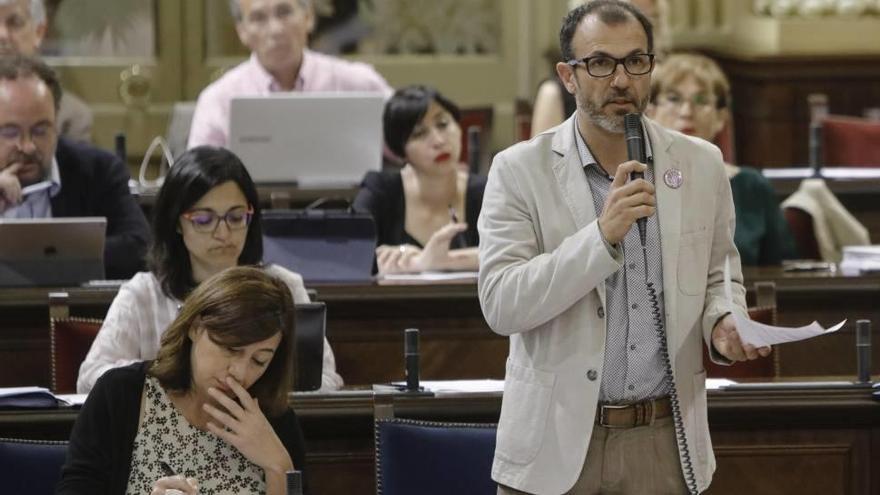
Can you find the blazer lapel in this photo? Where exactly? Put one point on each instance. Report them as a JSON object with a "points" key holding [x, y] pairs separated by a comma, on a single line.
{"points": [[669, 213], [572, 180]]}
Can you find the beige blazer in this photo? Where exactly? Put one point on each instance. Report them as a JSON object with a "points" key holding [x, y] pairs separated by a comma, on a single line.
{"points": [[542, 271]]}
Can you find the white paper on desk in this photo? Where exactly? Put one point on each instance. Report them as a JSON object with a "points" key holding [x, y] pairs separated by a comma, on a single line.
{"points": [[440, 387], [759, 334], [431, 276]]}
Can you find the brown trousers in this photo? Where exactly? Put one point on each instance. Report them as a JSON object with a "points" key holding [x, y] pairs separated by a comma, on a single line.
{"points": [[641, 460]]}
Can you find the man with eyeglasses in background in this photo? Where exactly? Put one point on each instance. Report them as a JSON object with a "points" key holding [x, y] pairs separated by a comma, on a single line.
{"points": [[276, 32], [23, 26], [42, 176], [604, 389]]}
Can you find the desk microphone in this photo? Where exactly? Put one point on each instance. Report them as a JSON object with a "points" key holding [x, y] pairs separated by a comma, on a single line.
{"points": [[411, 356], [635, 150], [294, 483], [863, 350]]}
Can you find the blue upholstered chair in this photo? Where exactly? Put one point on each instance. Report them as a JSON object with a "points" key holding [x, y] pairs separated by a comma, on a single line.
{"points": [[431, 458], [31, 467]]}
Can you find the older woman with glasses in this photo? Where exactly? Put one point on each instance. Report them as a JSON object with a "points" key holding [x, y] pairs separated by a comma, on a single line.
{"points": [[690, 94], [206, 219]]}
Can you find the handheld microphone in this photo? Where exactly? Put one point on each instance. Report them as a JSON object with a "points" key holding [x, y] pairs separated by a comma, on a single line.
{"points": [[635, 150], [863, 350], [411, 356]]}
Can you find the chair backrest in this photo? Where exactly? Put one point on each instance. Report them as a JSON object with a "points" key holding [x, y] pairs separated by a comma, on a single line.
{"points": [[851, 141], [31, 466], [763, 367], [800, 223], [433, 458], [70, 340]]}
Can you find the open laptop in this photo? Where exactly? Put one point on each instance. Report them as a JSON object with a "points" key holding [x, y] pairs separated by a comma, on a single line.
{"points": [[51, 251], [313, 140], [324, 246]]}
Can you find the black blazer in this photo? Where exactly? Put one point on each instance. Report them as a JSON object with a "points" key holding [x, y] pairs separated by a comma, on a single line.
{"points": [[381, 195], [94, 182]]}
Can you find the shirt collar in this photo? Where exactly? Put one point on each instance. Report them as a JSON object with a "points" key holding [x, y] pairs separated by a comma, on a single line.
{"points": [[587, 158], [265, 79], [52, 183], [54, 178]]}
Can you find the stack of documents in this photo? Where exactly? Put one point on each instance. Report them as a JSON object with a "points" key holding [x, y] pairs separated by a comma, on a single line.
{"points": [[860, 259]]}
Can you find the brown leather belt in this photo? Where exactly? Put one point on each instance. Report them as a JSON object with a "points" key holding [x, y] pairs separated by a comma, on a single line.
{"points": [[632, 415]]}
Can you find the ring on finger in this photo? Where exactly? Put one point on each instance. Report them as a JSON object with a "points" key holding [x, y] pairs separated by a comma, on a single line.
{"points": [[402, 249]]}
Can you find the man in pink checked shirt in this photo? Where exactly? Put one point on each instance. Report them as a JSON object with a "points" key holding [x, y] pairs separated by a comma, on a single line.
{"points": [[276, 32]]}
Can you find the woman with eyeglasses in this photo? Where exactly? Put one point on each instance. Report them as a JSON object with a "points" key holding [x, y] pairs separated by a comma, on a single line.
{"points": [[426, 214], [690, 94], [206, 219]]}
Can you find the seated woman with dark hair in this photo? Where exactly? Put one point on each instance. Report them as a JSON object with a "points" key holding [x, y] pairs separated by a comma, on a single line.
{"points": [[206, 218], [417, 210], [212, 408]]}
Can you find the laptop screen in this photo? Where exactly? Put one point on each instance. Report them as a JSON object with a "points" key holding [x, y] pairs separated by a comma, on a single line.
{"points": [[313, 140], [51, 251]]}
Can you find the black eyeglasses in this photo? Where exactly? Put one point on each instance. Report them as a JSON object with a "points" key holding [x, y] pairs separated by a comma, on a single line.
{"points": [[605, 65], [206, 221]]}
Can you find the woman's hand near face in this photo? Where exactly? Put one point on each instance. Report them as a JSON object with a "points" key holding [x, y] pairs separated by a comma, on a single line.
{"points": [[176, 485], [244, 426]]}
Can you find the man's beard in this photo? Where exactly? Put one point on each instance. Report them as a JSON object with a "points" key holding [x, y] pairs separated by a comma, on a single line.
{"points": [[610, 123]]}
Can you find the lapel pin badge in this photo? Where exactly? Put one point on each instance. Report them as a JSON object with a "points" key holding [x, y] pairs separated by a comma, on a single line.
{"points": [[673, 178]]}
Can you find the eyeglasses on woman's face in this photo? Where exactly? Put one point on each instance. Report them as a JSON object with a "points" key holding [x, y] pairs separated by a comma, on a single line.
{"points": [[205, 220]]}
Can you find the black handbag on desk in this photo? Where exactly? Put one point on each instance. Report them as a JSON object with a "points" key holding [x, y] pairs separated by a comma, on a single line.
{"points": [[324, 246]]}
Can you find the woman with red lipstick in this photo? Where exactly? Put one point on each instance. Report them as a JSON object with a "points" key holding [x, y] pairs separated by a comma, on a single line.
{"points": [[417, 209], [206, 218], [210, 414], [690, 94]]}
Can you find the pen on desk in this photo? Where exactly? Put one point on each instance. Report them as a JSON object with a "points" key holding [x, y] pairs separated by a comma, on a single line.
{"points": [[458, 242]]}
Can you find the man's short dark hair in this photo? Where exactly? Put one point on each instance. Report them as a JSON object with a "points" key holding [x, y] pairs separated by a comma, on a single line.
{"points": [[194, 173], [13, 67], [405, 109], [610, 12]]}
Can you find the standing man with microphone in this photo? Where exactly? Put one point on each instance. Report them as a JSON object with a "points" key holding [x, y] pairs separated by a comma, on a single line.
{"points": [[605, 388]]}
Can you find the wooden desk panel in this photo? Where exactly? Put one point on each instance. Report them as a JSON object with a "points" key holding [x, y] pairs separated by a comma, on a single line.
{"points": [[366, 322], [805, 441]]}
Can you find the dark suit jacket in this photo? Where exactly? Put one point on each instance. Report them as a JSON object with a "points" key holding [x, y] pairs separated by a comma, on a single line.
{"points": [[94, 182]]}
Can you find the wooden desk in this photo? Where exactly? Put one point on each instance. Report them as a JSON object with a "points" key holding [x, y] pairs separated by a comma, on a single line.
{"points": [[827, 297], [767, 440], [365, 326]]}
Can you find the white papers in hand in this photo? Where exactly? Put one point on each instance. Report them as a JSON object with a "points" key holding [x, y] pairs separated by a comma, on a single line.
{"points": [[759, 334]]}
